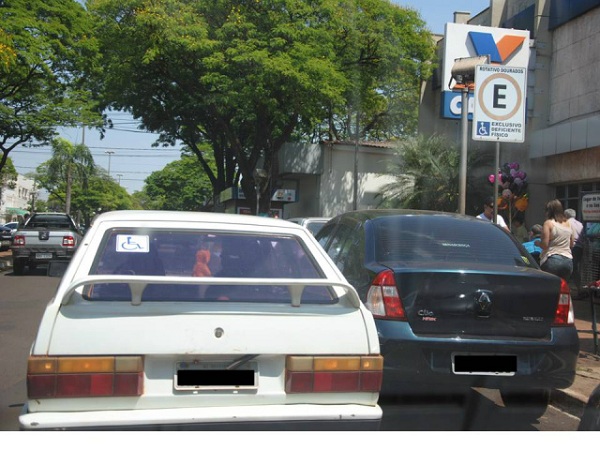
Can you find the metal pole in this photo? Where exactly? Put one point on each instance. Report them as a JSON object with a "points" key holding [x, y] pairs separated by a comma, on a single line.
{"points": [[496, 181], [462, 188], [355, 193], [109, 153]]}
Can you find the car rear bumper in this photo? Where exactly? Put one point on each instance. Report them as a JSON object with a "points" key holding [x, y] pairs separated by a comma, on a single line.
{"points": [[415, 365], [263, 418]]}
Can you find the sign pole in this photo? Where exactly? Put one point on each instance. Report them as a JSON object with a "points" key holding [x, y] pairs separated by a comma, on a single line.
{"points": [[496, 181], [462, 185]]}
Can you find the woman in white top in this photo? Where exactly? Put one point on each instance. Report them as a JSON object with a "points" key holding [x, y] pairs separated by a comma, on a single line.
{"points": [[556, 242]]}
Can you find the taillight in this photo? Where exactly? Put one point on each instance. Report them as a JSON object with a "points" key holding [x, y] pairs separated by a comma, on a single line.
{"points": [[18, 241], [68, 241], [564, 311], [383, 299], [103, 376], [322, 374]]}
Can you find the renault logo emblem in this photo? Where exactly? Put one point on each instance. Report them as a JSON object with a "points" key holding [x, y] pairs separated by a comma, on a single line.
{"points": [[483, 303]]}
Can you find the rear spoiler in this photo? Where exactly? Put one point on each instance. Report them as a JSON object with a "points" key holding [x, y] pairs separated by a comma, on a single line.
{"points": [[138, 284]]}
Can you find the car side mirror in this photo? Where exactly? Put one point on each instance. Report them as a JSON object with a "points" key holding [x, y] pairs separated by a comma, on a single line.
{"points": [[57, 269]]}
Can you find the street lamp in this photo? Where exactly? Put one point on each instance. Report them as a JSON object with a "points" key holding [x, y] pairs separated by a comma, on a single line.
{"points": [[119, 175], [109, 153], [260, 178], [463, 75]]}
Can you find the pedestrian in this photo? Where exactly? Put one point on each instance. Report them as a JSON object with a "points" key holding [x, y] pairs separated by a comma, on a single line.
{"points": [[518, 228], [488, 213], [531, 246], [577, 249], [556, 242]]}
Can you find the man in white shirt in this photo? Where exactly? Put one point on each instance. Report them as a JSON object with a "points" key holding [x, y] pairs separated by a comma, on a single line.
{"points": [[488, 213]]}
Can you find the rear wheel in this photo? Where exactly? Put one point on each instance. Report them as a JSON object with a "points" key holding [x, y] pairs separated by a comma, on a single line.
{"points": [[533, 402], [591, 414], [19, 266]]}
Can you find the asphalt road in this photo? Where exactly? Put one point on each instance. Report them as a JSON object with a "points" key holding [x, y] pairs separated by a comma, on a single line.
{"points": [[22, 302]]}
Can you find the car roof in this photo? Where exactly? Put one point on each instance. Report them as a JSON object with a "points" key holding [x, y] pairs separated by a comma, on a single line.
{"points": [[187, 216], [372, 214]]}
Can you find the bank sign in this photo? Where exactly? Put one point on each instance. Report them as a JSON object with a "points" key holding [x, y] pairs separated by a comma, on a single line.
{"points": [[506, 47]]}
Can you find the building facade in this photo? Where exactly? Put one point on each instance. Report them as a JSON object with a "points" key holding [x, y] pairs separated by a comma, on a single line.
{"points": [[15, 202], [323, 177], [561, 151]]}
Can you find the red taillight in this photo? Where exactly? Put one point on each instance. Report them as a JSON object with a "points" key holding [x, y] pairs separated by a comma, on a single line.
{"points": [[383, 299], [564, 311], [18, 241], [305, 374], [63, 377], [68, 241]]}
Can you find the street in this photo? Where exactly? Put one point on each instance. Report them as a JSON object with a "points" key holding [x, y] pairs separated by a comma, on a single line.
{"points": [[23, 300]]}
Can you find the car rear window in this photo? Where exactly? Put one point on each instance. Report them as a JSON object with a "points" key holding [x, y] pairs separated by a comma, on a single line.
{"points": [[438, 238], [49, 221], [179, 253]]}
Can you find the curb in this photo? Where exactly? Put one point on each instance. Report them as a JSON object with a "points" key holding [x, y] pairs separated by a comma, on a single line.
{"points": [[569, 401]]}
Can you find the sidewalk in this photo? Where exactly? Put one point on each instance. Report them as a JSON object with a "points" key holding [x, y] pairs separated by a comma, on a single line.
{"points": [[572, 399]]}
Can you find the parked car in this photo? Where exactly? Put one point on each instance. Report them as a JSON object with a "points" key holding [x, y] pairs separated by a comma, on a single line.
{"points": [[458, 303], [313, 224], [13, 226], [177, 320], [6, 238]]}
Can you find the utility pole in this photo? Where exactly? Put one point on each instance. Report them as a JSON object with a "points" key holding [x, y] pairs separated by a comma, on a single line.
{"points": [[109, 153], [119, 177]]}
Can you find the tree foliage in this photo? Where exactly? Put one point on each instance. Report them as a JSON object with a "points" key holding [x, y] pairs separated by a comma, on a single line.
{"points": [[247, 76], [426, 172], [46, 55], [70, 165], [181, 186]]}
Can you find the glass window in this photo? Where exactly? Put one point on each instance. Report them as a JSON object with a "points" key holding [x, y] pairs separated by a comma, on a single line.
{"points": [[200, 254], [443, 239]]}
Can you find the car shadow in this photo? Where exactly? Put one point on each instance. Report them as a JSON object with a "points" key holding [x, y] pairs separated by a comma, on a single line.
{"points": [[471, 411]]}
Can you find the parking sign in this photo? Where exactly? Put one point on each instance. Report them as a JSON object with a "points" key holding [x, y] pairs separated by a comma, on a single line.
{"points": [[499, 108]]}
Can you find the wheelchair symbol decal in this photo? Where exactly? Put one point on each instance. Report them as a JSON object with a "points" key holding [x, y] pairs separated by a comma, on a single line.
{"points": [[483, 128], [133, 243]]}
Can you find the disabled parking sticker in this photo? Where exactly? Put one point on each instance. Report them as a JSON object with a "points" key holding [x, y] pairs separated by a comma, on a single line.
{"points": [[133, 243]]}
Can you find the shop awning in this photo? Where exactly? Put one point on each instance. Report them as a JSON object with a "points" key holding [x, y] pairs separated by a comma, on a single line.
{"points": [[17, 211]]}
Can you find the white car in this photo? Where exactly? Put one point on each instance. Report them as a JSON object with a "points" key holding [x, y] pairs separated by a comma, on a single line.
{"points": [[173, 320]]}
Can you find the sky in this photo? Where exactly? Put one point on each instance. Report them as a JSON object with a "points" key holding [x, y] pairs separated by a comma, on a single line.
{"points": [[133, 158]]}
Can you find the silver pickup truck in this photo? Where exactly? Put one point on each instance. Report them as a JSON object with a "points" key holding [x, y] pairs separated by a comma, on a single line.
{"points": [[44, 238]]}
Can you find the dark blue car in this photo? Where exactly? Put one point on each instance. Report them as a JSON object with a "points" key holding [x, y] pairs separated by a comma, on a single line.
{"points": [[458, 303]]}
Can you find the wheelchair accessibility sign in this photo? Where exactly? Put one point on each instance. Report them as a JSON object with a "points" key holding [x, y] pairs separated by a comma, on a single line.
{"points": [[133, 243], [499, 108]]}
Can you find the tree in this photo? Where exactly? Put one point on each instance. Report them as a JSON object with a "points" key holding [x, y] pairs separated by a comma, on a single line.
{"points": [[69, 165], [181, 186], [101, 194], [248, 76], [46, 55], [426, 172]]}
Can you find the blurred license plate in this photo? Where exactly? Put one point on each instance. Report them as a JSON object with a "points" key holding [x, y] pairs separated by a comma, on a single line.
{"points": [[43, 256], [499, 365], [215, 376]]}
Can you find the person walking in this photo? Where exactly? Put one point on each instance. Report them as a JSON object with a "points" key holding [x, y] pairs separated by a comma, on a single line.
{"points": [[488, 213], [577, 249], [556, 242]]}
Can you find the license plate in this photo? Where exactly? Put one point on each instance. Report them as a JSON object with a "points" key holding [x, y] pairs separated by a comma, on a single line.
{"points": [[496, 365], [215, 377], [43, 256]]}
